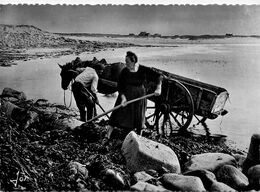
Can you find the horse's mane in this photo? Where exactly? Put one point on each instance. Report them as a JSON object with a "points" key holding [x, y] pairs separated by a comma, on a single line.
{"points": [[72, 65], [83, 64]]}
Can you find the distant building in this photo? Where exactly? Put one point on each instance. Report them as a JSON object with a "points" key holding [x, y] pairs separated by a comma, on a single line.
{"points": [[156, 35], [144, 34], [229, 35]]}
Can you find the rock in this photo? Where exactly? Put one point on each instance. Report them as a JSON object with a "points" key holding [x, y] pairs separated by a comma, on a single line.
{"points": [[142, 176], [77, 169], [254, 177], [233, 177], [9, 92], [240, 160], [143, 186], [173, 181], [219, 186], [11, 110], [207, 177], [114, 178], [8, 107], [253, 155], [143, 154], [209, 161]]}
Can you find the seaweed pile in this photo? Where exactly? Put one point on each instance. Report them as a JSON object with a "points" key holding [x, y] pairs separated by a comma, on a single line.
{"points": [[38, 157]]}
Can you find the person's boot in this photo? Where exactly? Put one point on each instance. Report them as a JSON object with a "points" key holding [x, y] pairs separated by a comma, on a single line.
{"points": [[95, 111], [90, 113], [83, 116]]}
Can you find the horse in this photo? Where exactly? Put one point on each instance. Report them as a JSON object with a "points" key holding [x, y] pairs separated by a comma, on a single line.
{"points": [[108, 79]]}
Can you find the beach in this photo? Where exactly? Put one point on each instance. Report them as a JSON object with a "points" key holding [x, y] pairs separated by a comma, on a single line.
{"points": [[229, 63], [201, 134]]}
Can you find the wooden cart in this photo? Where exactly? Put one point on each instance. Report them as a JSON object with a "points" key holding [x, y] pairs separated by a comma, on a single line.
{"points": [[181, 100]]}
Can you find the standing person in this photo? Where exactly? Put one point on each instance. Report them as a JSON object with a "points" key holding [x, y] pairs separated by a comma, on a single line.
{"points": [[84, 90], [130, 86]]}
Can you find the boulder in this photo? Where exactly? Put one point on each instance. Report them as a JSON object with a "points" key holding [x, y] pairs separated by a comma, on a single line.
{"points": [[207, 177], [114, 178], [209, 161], [219, 186], [9, 92], [20, 115], [143, 186], [142, 176], [173, 181], [253, 155], [142, 154], [254, 177], [233, 177], [12, 110]]}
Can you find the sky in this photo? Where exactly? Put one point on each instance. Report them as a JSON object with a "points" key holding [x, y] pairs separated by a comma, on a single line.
{"points": [[124, 19]]}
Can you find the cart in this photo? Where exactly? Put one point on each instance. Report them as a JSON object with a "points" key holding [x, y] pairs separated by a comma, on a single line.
{"points": [[182, 99]]}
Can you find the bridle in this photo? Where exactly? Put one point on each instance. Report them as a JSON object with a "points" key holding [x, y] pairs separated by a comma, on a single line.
{"points": [[64, 95]]}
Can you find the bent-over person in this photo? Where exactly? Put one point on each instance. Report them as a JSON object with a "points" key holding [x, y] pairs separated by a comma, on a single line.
{"points": [[84, 90]]}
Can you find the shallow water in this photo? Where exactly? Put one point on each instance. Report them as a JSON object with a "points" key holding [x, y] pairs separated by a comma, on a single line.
{"points": [[233, 66]]}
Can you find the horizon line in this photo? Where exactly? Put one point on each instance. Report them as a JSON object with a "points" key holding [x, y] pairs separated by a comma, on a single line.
{"points": [[133, 34]]}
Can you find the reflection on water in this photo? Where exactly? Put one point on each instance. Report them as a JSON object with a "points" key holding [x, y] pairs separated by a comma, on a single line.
{"points": [[234, 67]]}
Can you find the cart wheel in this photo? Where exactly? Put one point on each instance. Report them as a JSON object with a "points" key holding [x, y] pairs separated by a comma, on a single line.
{"points": [[173, 112]]}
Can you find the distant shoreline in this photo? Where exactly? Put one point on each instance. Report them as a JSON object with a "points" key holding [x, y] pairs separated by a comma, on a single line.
{"points": [[189, 37], [15, 40]]}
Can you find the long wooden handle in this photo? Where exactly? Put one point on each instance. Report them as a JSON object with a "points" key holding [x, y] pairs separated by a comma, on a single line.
{"points": [[121, 105], [94, 99]]}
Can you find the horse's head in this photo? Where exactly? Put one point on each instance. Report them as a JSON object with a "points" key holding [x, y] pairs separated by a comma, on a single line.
{"points": [[66, 76]]}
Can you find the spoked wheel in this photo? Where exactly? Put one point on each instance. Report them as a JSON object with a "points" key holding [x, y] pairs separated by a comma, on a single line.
{"points": [[173, 111]]}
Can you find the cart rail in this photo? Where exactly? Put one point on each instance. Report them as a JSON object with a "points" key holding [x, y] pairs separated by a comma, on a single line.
{"points": [[209, 100]]}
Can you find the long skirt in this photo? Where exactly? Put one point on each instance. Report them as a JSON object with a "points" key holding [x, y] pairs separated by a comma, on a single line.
{"points": [[133, 115]]}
